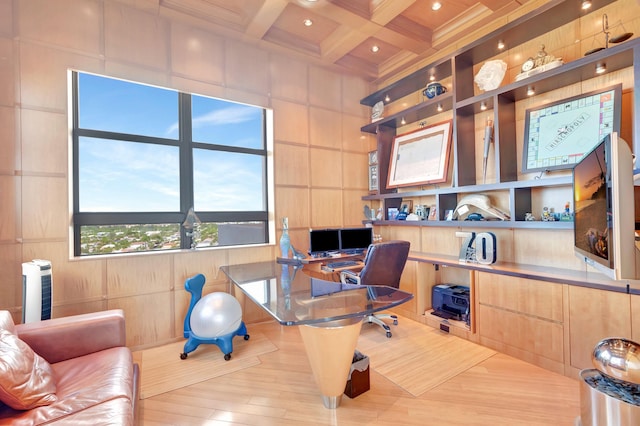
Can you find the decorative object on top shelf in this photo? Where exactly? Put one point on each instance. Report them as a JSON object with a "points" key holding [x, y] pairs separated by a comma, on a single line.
{"points": [[541, 63], [434, 89], [377, 111], [490, 75], [615, 39], [471, 203], [421, 156]]}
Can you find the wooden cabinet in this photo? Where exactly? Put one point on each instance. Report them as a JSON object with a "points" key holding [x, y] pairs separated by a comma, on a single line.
{"points": [[594, 315], [523, 318], [467, 109]]}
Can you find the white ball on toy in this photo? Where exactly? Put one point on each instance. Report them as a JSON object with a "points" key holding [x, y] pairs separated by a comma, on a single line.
{"points": [[215, 315]]}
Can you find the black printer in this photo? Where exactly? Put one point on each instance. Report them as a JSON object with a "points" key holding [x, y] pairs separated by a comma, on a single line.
{"points": [[451, 302]]}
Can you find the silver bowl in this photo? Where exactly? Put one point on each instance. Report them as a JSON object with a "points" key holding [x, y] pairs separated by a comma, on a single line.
{"points": [[618, 358]]}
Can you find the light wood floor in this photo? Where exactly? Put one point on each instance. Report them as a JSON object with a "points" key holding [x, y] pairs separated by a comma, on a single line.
{"points": [[281, 391]]}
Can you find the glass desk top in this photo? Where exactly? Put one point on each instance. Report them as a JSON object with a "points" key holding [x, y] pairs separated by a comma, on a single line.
{"points": [[293, 298]]}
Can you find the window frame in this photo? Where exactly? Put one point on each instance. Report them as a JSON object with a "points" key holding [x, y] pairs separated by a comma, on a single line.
{"points": [[186, 147]]}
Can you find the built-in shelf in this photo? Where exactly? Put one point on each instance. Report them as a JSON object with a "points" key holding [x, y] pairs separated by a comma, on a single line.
{"points": [[464, 106]]}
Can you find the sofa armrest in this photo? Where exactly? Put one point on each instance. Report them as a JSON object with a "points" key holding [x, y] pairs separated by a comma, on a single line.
{"points": [[64, 338]]}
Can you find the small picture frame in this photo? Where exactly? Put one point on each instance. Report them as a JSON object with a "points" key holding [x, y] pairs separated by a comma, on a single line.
{"points": [[392, 213], [373, 178], [448, 215], [407, 206], [373, 158], [433, 213]]}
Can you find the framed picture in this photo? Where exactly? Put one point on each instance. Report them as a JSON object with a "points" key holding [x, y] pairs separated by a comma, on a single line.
{"points": [[373, 157], [433, 213], [448, 215], [373, 178], [392, 213], [421, 156]]}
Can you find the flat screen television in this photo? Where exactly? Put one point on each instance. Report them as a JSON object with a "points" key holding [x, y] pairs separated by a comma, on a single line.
{"points": [[355, 240], [324, 241], [559, 134], [604, 226]]}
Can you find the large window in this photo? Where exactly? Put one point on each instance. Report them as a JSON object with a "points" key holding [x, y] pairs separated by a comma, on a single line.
{"points": [[144, 156]]}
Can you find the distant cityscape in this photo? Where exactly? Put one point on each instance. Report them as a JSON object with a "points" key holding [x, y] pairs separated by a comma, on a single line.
{"points": [[105, 239]]}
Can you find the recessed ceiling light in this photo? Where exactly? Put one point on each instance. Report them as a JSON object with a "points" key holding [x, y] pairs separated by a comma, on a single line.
{"points": [[586, 4], [308, 22], [436, 5], [375, 48], [500, 44]]}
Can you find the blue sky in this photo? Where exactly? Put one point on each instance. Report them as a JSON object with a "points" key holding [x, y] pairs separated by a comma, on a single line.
{"points": [[126, 176]]}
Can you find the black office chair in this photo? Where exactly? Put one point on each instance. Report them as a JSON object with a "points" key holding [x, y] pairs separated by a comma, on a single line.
{"points": [[383, 265]]}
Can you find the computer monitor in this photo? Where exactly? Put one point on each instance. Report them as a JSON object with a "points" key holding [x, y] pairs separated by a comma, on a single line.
{"points": [[355, 240], [324, 240]]}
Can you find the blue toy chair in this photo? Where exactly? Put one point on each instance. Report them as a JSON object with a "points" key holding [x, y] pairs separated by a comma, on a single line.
{"points": [[194, 286]]}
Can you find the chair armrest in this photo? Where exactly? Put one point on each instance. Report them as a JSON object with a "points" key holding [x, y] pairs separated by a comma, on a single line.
{"points": [[64, 338], [349, 277]]}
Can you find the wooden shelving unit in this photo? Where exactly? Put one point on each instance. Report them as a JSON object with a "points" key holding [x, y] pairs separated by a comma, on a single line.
{"points": [[464, 105]]}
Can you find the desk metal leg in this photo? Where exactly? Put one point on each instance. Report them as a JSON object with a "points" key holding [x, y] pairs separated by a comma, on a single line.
{"points": [[330, 347]]}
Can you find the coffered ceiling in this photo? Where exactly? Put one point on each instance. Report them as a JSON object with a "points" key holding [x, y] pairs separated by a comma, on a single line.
{"points": [[344, 32]]}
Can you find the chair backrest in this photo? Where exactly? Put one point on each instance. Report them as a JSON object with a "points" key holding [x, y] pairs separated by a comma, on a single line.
{"points": [[384, 263]]}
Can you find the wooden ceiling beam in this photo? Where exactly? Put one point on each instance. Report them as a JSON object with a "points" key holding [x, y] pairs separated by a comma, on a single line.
{"points": [[265, 17]]}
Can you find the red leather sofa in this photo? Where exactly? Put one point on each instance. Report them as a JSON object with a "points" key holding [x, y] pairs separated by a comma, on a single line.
{"points": [[82, 372]]}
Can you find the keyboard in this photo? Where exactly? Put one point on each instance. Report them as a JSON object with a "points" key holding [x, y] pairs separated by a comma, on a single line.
{"points": [[342, 264]]}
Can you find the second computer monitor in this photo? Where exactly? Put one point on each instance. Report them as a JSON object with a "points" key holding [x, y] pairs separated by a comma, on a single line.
{"points": [[355, 240]]}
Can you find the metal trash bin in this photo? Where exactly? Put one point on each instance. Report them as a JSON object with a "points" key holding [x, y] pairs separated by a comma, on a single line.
{"points": [[599, 404], [610, 393]]}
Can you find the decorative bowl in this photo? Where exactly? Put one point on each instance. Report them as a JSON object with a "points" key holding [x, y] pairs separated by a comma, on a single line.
{"points": [[434, 89], [618, 358]]}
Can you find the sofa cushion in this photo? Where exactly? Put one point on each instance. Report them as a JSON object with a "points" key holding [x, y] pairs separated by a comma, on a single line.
{"points": [[6, 322], [86, 383], [26, 379]]}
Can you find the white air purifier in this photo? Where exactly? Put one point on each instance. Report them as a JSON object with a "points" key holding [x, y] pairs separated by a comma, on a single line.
{"points": [[37, 287]]}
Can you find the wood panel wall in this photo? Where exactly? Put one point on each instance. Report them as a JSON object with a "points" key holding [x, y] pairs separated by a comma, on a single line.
{"points": [[320, 155]]}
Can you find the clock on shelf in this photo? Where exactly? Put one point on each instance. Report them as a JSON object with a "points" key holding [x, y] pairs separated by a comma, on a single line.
{"points": [[542, 62]]}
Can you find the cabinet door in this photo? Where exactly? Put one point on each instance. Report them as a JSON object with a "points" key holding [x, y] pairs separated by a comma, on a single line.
{"points": [[595, 315], [522, 318]]}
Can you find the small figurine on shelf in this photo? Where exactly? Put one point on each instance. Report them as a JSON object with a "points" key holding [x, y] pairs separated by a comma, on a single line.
{"points": [[547, 215], [567, 216], [529, 217]]}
